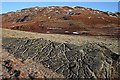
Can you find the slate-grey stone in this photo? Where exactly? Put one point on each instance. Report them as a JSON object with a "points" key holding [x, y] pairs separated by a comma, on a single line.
{"points": [[90, 60]]}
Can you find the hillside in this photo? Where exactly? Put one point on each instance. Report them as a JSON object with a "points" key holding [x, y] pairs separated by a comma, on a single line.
{"points": [[60, 42], [63, 20]]}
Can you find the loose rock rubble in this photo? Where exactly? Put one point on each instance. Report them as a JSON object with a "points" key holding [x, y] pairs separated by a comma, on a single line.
{"points": [[89, 61]]}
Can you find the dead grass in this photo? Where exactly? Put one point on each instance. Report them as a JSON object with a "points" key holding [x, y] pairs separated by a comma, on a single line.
{"points": [[109, 42]]}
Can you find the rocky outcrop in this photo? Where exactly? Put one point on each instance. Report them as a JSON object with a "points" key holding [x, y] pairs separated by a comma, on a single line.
{"points": [[12, 68], [89, 61]]}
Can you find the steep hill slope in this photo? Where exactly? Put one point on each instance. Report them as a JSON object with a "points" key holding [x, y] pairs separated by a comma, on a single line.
{"points": [[63, 20]]}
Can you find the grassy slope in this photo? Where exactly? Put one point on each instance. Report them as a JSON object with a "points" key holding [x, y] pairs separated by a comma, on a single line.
{"points": [[109, 42]]}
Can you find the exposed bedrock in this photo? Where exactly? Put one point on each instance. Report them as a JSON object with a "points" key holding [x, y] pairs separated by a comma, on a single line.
{"points": [[90, 60]]}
